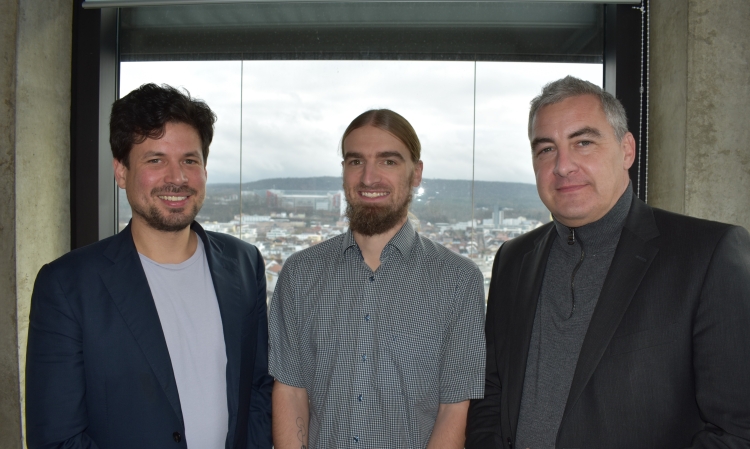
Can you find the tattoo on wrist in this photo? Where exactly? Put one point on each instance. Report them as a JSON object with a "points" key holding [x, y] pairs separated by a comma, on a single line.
{"points": [[301, 434]]}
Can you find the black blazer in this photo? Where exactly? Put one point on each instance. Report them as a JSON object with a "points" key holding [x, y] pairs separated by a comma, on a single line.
{"points": [[666, 359], [98, 372]]}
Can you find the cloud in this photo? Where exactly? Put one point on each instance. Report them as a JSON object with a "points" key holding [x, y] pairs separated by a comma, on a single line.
{"points": [[291, 114]]}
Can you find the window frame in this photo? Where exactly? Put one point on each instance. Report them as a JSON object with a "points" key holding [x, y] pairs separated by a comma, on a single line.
{"points": [[95, 72]]}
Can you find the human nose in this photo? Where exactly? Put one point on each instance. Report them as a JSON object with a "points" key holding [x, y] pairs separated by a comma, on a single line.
{"points": [[175, 174], [565, 163], [370, 174]]}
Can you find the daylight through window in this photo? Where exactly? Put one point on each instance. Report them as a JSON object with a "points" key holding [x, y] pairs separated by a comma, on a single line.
{"points": [[274, 169]]}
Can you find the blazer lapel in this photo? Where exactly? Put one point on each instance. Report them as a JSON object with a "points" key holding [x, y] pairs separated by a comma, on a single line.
{"points": [[630, 263], [226, 279], [522, 322], [127, 285]]}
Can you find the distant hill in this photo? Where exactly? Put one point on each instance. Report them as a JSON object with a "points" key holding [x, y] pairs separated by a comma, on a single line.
{"points": [[442, 200], [317, 183]]}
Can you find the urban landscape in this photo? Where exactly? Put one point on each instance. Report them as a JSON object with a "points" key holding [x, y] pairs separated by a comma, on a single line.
{"points": [[283, 216]]}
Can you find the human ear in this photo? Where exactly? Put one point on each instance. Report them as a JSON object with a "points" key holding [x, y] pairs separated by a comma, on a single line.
{"points": [[120, 172]]}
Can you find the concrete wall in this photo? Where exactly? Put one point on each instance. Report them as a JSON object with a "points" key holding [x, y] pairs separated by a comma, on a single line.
{"points": [[36, 45], [699, 159], [10, 418], [699, 133]]}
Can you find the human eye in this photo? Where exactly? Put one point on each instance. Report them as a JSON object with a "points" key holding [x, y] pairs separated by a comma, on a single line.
{"points": [[354, 161], [541, 151]]}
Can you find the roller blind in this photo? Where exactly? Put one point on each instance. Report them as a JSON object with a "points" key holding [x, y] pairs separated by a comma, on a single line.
{"points": [[396, 30]]}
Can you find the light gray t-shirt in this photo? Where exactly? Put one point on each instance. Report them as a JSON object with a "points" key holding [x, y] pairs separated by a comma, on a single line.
{"points": [[189, 313]]}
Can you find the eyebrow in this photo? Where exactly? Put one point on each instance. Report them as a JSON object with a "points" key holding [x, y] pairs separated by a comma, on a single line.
{"points": [[381, 155], [539, 140], [586, 131], [389, 154], [148, 154]]}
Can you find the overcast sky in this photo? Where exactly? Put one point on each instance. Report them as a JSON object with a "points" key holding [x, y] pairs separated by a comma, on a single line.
{"points": [[291, 114]]}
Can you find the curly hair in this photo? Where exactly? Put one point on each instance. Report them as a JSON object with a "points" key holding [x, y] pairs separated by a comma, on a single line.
{"points": [[142, 114]]}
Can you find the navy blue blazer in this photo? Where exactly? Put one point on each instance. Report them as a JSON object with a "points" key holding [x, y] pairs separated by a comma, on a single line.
{"points": [[666, 359], [98, 372]]}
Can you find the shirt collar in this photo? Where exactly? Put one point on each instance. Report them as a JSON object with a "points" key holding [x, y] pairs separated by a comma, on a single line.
{"points": [[605, 230], [402, 241]]}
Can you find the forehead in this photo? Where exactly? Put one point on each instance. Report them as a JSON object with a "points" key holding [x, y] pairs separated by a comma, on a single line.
{"points": [[369, 139], [176, 137], [570, 114]]}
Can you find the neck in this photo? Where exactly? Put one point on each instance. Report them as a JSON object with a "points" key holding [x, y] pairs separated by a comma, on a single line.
{"points": [[604, 231], [372, 246], [161, 246]]}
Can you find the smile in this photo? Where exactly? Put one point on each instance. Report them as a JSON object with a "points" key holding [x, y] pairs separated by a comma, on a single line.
{"points": [[570, 188], [172, 198], [373, 194]]}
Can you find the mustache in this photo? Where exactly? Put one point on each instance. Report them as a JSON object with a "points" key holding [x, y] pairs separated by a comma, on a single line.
{"points": [[173, 189], [376, 186]]}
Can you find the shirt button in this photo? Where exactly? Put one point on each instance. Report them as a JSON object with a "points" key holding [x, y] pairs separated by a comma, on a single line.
{"points": [[356, 439], [372, 278], [359, 398], [367, 317], [177, 437], [364, 357]]}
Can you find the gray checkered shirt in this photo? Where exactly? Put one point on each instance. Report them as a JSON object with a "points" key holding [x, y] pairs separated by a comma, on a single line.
{"points": [[378, 351]]}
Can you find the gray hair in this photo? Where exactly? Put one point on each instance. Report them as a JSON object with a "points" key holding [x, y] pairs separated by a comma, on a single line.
{"points": [[570, 86]]}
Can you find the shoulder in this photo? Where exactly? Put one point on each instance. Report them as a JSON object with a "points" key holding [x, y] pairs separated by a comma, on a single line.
{"points": [[231, 245], [525, 242], [78, 259], [447, 259], [688, 242], [316, 254], [232, 253], [674, 222], [81, 269], [696, 233]]}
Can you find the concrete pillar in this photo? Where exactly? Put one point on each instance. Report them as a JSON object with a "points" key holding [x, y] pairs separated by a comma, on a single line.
{"points": [[10, 416], [35, 79], [699, 159]]}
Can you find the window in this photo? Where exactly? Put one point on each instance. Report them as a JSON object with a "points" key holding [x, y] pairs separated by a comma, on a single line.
{"points": [[275, 165], [474, 39]]}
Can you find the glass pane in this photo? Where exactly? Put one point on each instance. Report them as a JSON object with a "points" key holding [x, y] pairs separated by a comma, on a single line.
{"points": [[274, 172], [294, 115]]}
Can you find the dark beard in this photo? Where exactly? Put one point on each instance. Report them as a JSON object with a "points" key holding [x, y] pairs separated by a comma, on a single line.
{"points": [[173, 222], [374, 220]]}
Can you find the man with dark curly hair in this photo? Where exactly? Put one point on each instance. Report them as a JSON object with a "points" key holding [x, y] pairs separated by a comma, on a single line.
{"points": [[155, 337]]}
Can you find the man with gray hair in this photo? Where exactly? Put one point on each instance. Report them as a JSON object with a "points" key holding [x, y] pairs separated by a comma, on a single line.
{"points": [[617, 325]]}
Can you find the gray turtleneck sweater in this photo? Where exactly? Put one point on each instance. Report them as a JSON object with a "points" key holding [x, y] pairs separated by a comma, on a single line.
{"points": [[577, 265]]}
